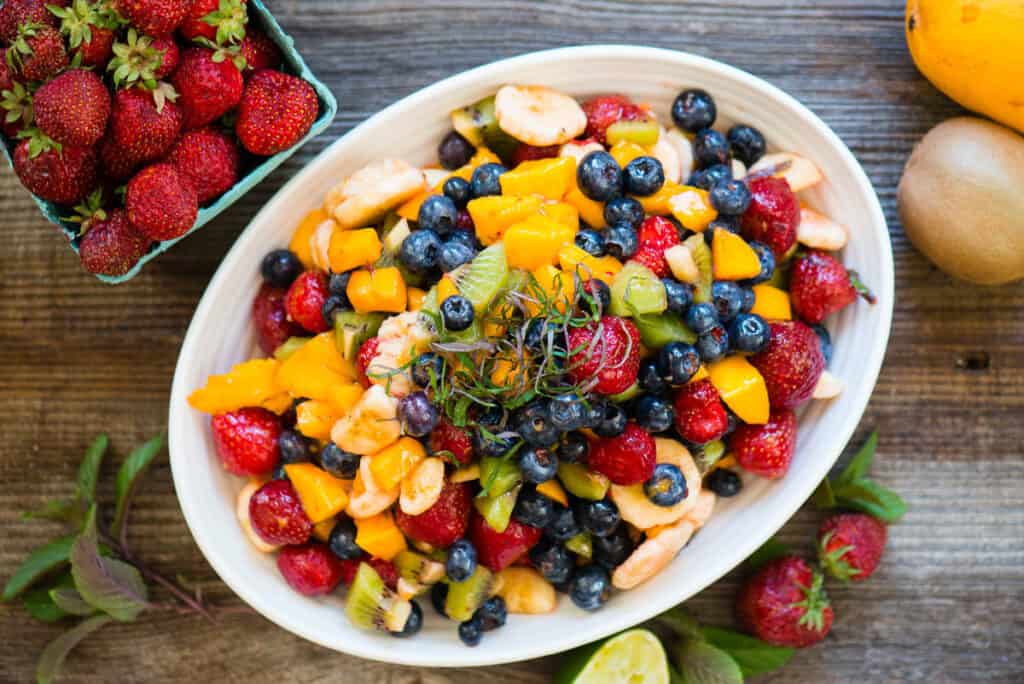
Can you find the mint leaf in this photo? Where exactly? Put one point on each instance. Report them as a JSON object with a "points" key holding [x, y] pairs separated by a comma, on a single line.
{"points": [[872, 498], [129, 476], [680, 622], [768, 552], [89, 470], [824, 498], [701, 663], [38, 603], [754, 656], [53, 656], [858, 466], [110, 585], [39, 563], [70, 601]]}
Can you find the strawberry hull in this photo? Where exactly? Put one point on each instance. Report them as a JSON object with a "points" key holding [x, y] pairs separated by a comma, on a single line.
{"points": [[261, 18]]}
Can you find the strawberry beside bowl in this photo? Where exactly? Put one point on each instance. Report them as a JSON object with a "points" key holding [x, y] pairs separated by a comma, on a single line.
{"points": [[218, 339]]}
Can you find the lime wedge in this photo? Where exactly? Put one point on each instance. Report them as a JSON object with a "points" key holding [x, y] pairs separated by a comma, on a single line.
{"points": [[633, 657]]}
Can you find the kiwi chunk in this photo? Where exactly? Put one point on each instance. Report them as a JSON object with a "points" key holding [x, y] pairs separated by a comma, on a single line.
{"points": [[371, 605], [626, 394], [351, 329], [644, 132], [497, 475], [465, 597], [580, 481], [497, 510], [710, 454], [289, 347], [657, 330], [478, 124], [581, 545], [483, 278], [637, 291], [702, 257], [416, 567]]}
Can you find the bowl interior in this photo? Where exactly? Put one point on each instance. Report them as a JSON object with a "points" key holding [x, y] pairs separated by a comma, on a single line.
{"points": [[221, 335]]}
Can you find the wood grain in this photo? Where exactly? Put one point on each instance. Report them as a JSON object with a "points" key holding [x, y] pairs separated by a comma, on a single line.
{"points": [[77, 356]]}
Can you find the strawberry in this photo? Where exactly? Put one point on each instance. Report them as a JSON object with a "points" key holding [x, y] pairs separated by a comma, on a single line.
{"points": [[219, 21], [819, 286], [785, 604], [386, 570], [498, 550], [310, 569], [15, 13], [154, 17], [791, 363], [208, 158], [766, 450], [271, 319], [90, 31], [142, 61], [605, 110], [259, 52], [208, 84], [656, 234], [455, 440], [111, 245], [524, 152], [277, 515], [73, 108], [169, 54], [161, 202], [367, 351], [143, 126], [700, 413], [57, 173], [276, 110], [38, 52], [626, 459], [606, 354], [850, 545], [445, 522], [115, 165], [773, 215], [246, 440], [305, 301]]}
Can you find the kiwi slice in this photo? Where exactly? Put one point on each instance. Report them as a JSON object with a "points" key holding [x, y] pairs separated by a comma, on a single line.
{"points": [[289, 347], [371, 605], [482, 279], [626, 394], [637, 291], [709, 455], [466, 596], [580, 481], [351, 329], [393, 234], [581, 545], [497, 510], [497, 475], [478, 124], [644, 132], [702, 257], [657, 330], [416, 567]]}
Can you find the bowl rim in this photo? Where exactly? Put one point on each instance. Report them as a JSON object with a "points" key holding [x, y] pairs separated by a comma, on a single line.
{"points": [[623, 616]]}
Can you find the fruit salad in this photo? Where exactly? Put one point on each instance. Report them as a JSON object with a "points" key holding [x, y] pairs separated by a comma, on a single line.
{"points": [[533, 369]]}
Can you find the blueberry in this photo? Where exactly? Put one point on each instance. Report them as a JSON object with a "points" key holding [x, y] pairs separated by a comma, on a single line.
{"points": [[420, 250], [747, 143], [563, 525], [539, 331], [701, 317], [653, 413], [678, 362], [493, 416], [427, 367], [621, 241], [729, 223], [456, 313], [454, 151], [538, 465], [643, 176], [294, 448], [614, 422], [727, 298], [567, 412], [667, 486], [342, 541], [713, 345], [590, 241], [457, 190], [748, 299], [706, 178], [533, 422], [710, 148], [492, 613], [693, 110], [730, 197], [573, 448], [553, 561], [471, 631], [533, 508], [724, 482], [465, 237], [825, 339], [600, 518], [461, 561], [485, 180], [453, 254], [749, 333], [679, 295], [649, 378], [418, 415], [492, 446], [767, 258], [337, 284], [280, 267], [624, 210], [413, 623], [334, 304], [438, 595], [595, 411], [598, 290], [599, 177], [590, 588], [339, 463], [437, 213], [613, 550]]}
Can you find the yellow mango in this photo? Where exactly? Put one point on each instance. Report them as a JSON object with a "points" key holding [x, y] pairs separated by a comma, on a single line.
{"points": [[414, 298], [535, 242], [410, 210], [574, 259], [550, 178], [493, 215], [391, 464], [446, 288], [590, 210], [300, 238], [659, 204], [353, 248], [322, 495], [322, 530], [731, 257], [742, 388], [692, 207], [382, 289], [771, 303], [506, 372], [315, 418], [379, 536], [625, 151], [553, 490], [343, 398], [562, 212], [252, 383], [701, 373], [314, 368], [481, 157], [558, 287]]}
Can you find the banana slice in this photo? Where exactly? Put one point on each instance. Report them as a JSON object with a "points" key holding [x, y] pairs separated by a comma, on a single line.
{"points": [[800, 172], [828, 387], [422, 488], [579, 150], [371, 425], [648, 559], [680, 261], [667, 152], [366, 503], [400, 339], [374, 190], [525, 591], [537, 115], [320, 242], [702, 510], [634, 506], [820, 232], [683, 148], [242, 512]]}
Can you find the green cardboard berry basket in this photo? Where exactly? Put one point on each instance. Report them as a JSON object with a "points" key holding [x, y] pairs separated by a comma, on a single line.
{"points": [[293, 64]]}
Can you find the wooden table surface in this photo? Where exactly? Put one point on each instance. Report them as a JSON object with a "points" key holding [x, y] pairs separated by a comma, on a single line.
{"points": [[78, 357]]}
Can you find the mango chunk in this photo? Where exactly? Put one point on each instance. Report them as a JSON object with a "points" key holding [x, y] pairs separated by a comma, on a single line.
{"points": [[535, 242], [659, 204], [252, 383], [390, 465], [322, 495], [382, 289], [557, 287], [322, 530], [563, 213], [493, 215], [315, 368], [771, 303], [379, 536], [692, 207], [590, 210], [315, 418], [731, 257], [553, 490], [701, 373], [575, 260], [625, 151], [742, 388], [353, 248], [414, 298], [303, 232], [526, 591], [550, 178]]}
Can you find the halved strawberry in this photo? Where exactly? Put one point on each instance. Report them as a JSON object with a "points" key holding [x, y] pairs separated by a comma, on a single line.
{"points": [[445, 522], [766, 450], [604, 110], [791, 363], [271, 319], [310, 569], [656, 234], [386, 570], [626, 459], [455, 440], [524, 152], [773, 215], [498, 550], [700, 414], [367, 352], [277, 515]]}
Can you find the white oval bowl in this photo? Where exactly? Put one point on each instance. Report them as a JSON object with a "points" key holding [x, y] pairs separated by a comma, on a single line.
{"points": [[221, 335]]}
